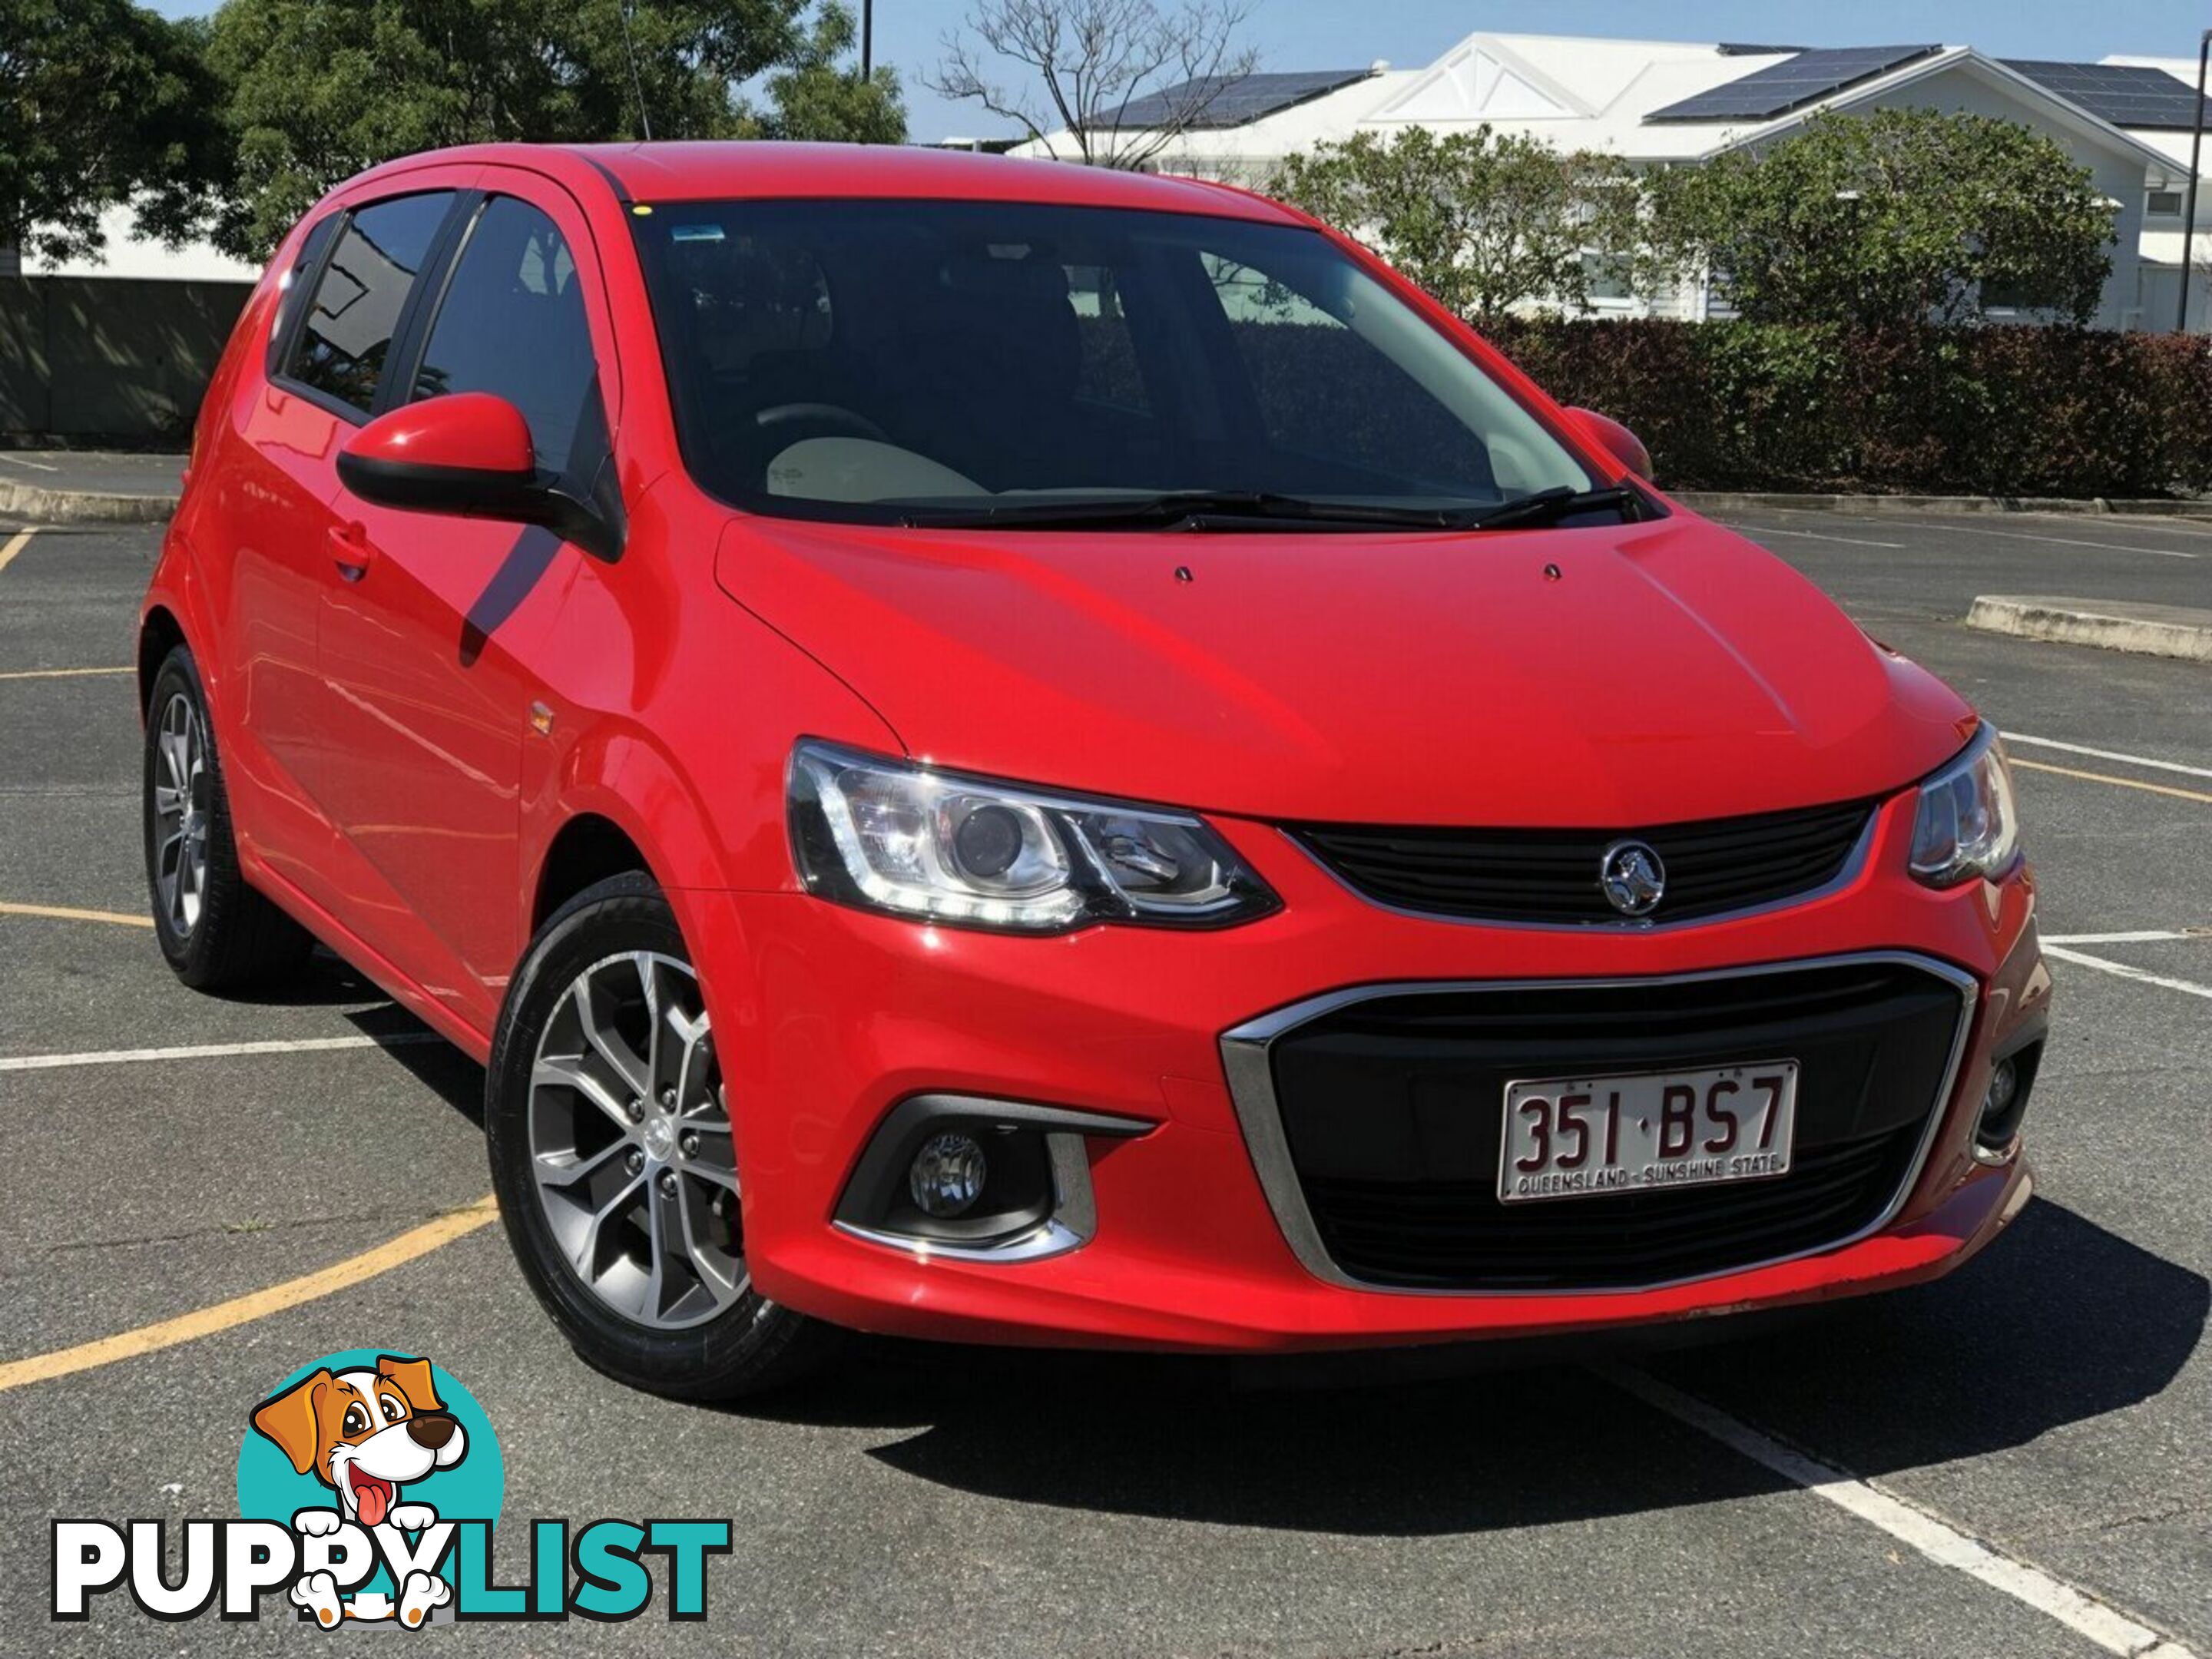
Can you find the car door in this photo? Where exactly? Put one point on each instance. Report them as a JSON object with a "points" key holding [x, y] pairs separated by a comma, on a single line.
{"points": [[333, 330], [428, 649]]}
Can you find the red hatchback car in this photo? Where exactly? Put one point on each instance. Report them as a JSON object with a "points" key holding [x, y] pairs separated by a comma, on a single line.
{"points": [[1000, 751]]}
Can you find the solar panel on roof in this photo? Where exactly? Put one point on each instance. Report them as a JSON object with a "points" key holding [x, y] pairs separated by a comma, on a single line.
{"points": [[1780, 88], [1234, 100], [2126, 94]]}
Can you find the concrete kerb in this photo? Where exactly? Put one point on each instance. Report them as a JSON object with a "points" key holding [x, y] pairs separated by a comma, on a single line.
{"points": [[2148, 630], [30, 503], [1751, 500]]}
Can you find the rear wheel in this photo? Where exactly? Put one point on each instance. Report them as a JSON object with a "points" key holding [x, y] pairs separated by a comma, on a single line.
{"points": [[612, 1154], [215, 930]]}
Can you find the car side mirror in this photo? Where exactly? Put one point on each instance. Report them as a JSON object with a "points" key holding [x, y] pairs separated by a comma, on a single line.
{"points": [[1617, 440], [468, 454]]}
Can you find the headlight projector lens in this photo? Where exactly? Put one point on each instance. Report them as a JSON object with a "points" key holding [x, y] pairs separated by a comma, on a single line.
{"points": [[987, 843]]}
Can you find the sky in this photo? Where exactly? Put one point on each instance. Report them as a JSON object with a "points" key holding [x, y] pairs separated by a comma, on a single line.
{"points": [[1301, 34]]}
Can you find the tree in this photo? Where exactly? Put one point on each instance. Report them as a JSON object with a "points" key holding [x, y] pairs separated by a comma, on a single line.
{"points": [[1902, 216], [316, 90], [1081, 63], [815, 100], [1485, 222], [108, 103]]}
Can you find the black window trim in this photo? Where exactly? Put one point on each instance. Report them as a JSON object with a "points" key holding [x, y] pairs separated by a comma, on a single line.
{"points": [[412, 338], [433, 271], [291, 301]]}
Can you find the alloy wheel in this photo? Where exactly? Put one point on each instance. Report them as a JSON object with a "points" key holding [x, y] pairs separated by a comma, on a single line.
{"points": [[630, 1144], [180, 814]]}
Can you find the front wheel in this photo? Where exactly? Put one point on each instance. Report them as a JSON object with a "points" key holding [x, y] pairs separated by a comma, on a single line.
{"points": [[613, 1157]]}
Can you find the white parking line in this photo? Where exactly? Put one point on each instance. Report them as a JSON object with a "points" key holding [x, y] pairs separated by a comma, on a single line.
{"points": [[15, 544], [2122, 970], [2109, 754], [1959, 524], [36, 466], [211, 1051], [1940, 1542], [60, 674], [2140, 936], [1756, 531], [2071, 541]]}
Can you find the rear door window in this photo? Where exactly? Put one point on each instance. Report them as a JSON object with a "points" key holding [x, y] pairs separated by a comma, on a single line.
{"points": [[346, 335]]}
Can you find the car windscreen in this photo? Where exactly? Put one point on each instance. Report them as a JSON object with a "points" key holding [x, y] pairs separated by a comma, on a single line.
{"points": [[896, 361]]}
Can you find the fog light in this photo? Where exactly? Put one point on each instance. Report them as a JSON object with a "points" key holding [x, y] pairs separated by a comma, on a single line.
{"points": [[2011, 1077], [2004, 1084], [947, 1177]]}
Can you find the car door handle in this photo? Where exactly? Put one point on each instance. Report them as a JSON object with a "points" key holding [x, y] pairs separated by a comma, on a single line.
{"points": [[350, 551]]}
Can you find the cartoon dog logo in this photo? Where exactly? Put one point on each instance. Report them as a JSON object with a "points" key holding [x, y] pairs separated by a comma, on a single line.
{"points": [[366, 1434]]}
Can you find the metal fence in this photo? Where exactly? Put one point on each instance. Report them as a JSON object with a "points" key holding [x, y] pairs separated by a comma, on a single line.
{"points": [[120, 359]]}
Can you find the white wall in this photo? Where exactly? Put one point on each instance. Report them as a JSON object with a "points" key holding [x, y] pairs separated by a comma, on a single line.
{"points": [[2161, 291], [129, 255]]}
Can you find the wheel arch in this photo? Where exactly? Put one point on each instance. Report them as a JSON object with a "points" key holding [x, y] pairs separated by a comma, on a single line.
{"points": [[587, 848], [159, 634], [175, 611], [616, 802]]}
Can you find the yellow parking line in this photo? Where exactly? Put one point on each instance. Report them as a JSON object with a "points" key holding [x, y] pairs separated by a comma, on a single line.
{"points": [[258, 1304], [60, 674], [15, 544], [66, 913], [2020, 765]]}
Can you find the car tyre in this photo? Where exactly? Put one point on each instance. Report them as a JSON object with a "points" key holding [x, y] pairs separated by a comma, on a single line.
{"points": [[633, 1243], [215, 930]]}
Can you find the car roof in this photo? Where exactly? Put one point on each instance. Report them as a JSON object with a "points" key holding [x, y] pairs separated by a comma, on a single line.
{"points": [[704, 171]]}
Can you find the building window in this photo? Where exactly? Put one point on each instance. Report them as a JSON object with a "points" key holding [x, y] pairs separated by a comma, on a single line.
{"points": [[2011, 299], [2163, 205], [1607, 275]]}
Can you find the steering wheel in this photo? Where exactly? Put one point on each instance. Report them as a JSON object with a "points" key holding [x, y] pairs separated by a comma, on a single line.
{"points": [[835, 418]]}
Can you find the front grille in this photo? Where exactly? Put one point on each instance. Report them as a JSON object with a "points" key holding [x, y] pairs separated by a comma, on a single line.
{"points": [[1390, 1110], [1551, 876], [1456, 1233]]}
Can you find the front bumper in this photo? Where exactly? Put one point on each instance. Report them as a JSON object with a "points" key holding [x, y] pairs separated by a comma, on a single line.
{"points": [[1195, 1243]]}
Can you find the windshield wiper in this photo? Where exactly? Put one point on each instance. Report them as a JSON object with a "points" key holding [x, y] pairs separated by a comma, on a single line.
{"points": [[1561, 502], [1200, 508], [1244, 509]]}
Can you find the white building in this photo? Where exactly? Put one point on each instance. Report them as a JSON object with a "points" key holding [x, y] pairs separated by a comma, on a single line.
{"points": [[2154, 105], [1656, 103], [129, 255]]}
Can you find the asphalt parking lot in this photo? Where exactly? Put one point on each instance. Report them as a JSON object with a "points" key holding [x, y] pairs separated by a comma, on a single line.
{"points": [[2014, 1462]]}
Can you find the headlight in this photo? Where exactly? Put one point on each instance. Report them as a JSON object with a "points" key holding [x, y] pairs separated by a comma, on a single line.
{"points": [[1967, 826], [886, 835]]}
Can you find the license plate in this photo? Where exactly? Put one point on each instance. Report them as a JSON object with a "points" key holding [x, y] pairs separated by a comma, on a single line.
{"points": [[1646, 1131]]}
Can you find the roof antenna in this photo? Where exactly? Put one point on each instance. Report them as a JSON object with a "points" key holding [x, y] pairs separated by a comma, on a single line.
{"points": [[637, 85]]}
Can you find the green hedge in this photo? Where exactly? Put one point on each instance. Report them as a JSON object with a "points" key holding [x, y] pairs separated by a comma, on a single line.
{"points": [[2006, 412]]}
